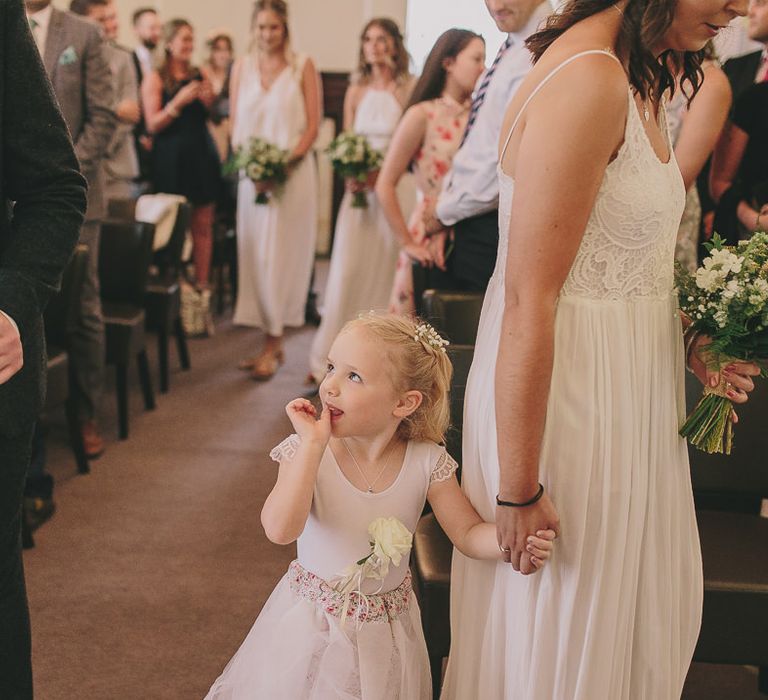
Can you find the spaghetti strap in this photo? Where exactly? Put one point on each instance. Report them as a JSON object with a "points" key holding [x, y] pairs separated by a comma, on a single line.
{"points": [[546, 79]]}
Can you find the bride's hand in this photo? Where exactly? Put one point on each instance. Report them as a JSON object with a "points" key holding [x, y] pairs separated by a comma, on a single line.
{"points": [[515, 525], [737, 374]]}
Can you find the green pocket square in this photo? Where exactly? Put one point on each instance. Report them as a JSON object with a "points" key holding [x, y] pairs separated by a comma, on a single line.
{"points": [[68, 56]]}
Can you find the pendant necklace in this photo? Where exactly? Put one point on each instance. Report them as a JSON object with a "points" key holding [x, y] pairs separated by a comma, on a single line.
{"points": [[371, 484]]}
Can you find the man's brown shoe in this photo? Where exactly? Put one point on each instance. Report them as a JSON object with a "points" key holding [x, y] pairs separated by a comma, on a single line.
{"points": [[92, 440]]}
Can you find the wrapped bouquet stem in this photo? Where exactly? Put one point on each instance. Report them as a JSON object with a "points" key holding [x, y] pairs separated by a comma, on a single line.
{"points": [[727, 302], [353, 157]]}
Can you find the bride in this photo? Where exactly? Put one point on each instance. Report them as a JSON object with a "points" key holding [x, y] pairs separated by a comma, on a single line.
{"points": [[576, 390]]}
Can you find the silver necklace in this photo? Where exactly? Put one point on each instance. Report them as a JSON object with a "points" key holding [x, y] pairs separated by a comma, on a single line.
{"points": [[644, 103], [371, 484]]}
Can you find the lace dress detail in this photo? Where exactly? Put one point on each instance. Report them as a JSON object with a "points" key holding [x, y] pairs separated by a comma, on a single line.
{"points": [[287, 449], [629, 242], [444, 468]]}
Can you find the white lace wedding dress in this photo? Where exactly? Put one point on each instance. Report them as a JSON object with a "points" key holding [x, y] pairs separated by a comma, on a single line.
{"points": [[616, 613]]}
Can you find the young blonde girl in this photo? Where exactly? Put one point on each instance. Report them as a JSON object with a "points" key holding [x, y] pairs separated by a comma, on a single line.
{"points": [[352, 483]]}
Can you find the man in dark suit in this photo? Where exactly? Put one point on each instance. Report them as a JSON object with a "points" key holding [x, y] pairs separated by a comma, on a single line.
{"points": [[43, 202], [745, 71], [74, 55]]}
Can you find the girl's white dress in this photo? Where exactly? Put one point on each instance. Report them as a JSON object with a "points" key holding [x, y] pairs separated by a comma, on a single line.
{"points": [[615, 614], [365, 249], [299, 649], [276, 241]]}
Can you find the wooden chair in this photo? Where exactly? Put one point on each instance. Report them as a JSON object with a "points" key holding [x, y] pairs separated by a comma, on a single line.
{"points": [[124, 257], [734, 543], [455, 314]]}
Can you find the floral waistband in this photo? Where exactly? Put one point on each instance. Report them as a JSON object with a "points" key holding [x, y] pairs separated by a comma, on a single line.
{"points": [[380, 607]]}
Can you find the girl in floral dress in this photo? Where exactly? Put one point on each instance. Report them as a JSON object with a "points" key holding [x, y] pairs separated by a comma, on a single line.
{"points": [[425, 141], [352, 483]]}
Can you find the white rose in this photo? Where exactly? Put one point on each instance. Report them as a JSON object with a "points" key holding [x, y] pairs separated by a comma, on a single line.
{"points": [[391, 541]]}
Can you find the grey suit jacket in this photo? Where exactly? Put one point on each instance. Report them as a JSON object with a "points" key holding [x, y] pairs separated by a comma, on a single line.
{"points": [[42, 202], [122, 163], [77, 64]]}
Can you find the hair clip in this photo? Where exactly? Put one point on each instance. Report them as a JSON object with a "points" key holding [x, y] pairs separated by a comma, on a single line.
{"points": [[427, 334]]}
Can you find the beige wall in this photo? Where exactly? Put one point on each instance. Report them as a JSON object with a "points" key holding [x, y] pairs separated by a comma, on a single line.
{"points": [[325, 29]]}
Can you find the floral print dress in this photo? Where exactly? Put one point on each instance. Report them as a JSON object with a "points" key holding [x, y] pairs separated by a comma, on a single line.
{"points": [[446, 122]]}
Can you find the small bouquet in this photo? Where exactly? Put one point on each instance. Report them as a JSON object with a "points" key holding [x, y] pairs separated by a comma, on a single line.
{"points": [[262, 162], [727, 300], [390, 541], [353, 156]]}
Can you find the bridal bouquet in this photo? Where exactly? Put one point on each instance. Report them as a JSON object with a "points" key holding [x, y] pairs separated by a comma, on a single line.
{"points": [[727, 300], [353, 156], [262, 162]]}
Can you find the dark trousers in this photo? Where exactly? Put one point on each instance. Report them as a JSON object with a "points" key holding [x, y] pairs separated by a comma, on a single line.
{"points": [[470, 265], [15, 646]]}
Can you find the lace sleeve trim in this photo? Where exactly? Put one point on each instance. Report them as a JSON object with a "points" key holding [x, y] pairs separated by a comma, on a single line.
{"points": [[444, 468], [286, 450]]}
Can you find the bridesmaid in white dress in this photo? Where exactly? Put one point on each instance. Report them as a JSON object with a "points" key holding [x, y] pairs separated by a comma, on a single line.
{"points": [[276, 96], [578, 378], [365, 250]]}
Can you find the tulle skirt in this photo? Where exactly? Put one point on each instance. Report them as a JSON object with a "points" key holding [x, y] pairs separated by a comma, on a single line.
{"points": [[615, 614], [298, 648]]}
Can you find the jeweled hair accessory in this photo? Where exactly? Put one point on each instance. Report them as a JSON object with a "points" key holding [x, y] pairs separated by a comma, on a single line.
{"points": [[427, 334]]}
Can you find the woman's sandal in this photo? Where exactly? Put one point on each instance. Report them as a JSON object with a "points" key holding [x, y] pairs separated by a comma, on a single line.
{"points": [[266, 364]]}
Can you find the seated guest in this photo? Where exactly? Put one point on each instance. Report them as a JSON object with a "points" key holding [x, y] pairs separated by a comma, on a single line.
{"points": [[121, 163], [739, 178]]}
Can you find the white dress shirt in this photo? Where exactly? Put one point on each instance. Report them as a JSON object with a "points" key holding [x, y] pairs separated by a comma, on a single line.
{"points": [[145, 59], [40, 32], [472, 187]]}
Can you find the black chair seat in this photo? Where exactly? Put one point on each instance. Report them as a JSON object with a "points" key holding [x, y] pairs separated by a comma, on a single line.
{"points": [[124, 258], [124, 330]]}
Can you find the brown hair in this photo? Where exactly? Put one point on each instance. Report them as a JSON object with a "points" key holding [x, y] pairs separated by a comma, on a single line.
{"points": [[170, 30], [279, 7], [81, 7], [417, 366], [401, 57], [642, 27], [431, 83]]}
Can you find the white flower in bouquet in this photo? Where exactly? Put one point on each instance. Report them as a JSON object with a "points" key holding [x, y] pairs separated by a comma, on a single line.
{"points": [[353, 157]]}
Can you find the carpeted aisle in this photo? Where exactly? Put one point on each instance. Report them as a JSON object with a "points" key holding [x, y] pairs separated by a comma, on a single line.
{"points": [[155, 565]]}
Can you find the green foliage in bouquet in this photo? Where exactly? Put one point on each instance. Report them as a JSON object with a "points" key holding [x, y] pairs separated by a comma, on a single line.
{"points": [[262, 162], [352, 156], [727, 300]]}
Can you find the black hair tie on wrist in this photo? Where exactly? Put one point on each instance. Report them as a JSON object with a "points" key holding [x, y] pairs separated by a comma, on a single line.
{"points": [[511, 504]]}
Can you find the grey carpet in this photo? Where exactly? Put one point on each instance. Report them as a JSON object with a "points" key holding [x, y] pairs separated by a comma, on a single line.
{"points": [[155, 565]]}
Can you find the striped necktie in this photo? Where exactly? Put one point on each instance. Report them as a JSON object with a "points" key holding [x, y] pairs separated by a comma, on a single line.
{"points": [[479, 97], [33, 26]]}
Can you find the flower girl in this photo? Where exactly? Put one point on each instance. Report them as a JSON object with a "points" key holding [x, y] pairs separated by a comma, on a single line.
{"points": [[343, 622]]}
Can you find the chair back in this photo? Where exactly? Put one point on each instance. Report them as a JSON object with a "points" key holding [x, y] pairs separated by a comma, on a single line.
{"points": [[125, 253], [122, 209], [454, 314], [63, 309], [745, 470], [168, 258], [461, 358]]}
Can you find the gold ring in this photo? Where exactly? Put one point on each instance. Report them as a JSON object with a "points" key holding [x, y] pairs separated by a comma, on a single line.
{"points": [[505, 550]]}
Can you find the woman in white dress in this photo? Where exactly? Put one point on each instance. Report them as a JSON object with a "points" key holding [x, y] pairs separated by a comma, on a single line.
{"points": [[365, 250], [276, 96], [576, 391]]}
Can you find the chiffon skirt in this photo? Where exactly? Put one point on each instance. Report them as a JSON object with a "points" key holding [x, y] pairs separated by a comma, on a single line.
{"points": [[615, 614], [299, 650]]}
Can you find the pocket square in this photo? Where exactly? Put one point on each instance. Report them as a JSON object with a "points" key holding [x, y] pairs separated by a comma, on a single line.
{"points": [[68, 56]]}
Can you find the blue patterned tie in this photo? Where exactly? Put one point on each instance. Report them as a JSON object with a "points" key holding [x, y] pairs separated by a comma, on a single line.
{"points": [[479, 97]]}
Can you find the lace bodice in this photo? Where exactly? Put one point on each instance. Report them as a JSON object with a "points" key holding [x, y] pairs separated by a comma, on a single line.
{"points": [[627, 251]]}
